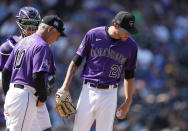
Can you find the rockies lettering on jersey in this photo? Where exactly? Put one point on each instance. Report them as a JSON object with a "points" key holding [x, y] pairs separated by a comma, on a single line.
{"points": [[106, 59], [108, 53]]}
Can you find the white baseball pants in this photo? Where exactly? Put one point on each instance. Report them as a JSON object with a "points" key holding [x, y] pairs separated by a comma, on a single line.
{"points": [[21, 112], [95, 104]]}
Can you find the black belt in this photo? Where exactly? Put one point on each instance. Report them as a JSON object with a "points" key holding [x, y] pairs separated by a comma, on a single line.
{"points": [[101, 86], [18, 86], [22, 87]]}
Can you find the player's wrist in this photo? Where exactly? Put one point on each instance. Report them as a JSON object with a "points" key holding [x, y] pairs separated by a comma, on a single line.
{"points": [[42, 97], [64, 88], [128, 100]]}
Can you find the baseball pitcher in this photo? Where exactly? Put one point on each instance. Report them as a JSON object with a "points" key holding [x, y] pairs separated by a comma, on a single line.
{"points": [[109, 52]]}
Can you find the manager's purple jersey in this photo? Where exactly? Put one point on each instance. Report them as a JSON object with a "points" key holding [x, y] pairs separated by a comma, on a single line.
{"points": [[106, 59], [6, 49], [30, 55]]}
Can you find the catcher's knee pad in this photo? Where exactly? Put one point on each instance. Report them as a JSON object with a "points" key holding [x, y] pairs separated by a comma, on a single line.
{"points": [[49, 129]]}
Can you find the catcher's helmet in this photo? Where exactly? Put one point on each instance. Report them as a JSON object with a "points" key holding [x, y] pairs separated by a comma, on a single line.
{"points": [[28, 19]]}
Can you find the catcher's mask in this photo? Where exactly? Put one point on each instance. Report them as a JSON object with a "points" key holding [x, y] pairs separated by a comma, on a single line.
{"points": [[28, 19]]}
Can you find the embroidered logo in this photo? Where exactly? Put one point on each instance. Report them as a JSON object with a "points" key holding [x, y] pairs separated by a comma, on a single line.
{"points": [[56, 23]]}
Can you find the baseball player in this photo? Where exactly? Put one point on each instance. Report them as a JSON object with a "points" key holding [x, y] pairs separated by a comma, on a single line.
{"points": [[27, 19], [110, 52], [25, 75]]}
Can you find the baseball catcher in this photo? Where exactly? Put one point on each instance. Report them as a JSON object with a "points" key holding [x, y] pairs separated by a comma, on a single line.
{"points": [[63, 103]]}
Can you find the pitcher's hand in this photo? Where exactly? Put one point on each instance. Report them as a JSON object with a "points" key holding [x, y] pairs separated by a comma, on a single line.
{"points": [[122, 110]]}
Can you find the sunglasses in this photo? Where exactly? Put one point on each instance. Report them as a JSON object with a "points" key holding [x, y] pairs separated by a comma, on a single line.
{"points": [[33, 23]]}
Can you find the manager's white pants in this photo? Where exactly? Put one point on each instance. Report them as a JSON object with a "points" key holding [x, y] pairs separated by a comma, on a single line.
{"points": [[21, 112], [43, 119], [95, 104]]}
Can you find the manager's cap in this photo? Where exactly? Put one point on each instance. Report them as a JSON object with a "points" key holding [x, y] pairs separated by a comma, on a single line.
{"points": [[126, 22], [56, 22]]}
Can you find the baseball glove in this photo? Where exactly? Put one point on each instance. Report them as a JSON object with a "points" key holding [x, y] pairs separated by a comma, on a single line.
{"points": [[63, 103]]}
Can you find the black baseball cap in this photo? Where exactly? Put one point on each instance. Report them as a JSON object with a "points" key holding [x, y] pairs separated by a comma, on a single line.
{"points": [[56, 22], [126, 22]]}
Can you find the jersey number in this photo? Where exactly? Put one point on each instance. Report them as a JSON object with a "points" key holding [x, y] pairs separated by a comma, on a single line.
{"points": [[115, 71], [19, 59]]}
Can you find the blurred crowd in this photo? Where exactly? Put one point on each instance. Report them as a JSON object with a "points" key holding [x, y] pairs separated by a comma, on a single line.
{"points": [[160, 101]]}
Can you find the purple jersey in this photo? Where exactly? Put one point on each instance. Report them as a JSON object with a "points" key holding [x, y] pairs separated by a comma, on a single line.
{"points": [[106, 59], [6, 48], [30, 55]]}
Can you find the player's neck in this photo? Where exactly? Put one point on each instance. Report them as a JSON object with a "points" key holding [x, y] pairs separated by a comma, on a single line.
{"points": [[42, 34]]}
